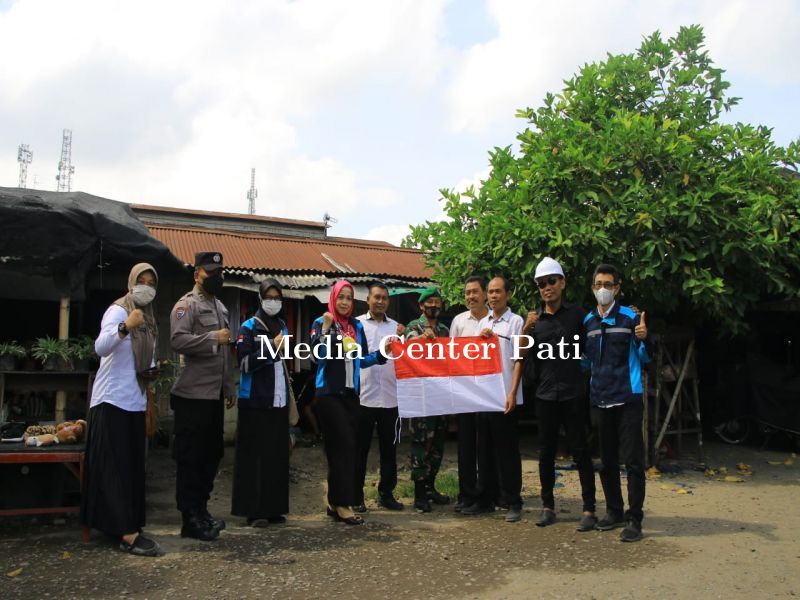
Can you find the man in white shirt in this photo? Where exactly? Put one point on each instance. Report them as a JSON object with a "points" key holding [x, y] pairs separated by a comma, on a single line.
{"points": [[499, 430], [465, 324], [378, 403]]}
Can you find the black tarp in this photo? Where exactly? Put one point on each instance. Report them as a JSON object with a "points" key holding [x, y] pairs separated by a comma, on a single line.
{"points": [[50, 242]]}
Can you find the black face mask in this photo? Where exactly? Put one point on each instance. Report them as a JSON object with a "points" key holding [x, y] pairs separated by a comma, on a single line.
{"points": [[432, 312], [212, 285]]}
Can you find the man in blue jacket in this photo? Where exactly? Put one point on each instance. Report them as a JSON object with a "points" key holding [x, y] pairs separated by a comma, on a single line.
{"points": [[616, 347]]}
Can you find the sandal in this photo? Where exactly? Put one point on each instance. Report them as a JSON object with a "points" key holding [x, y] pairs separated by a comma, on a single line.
{"points": [[141, 546], [354, 520]]}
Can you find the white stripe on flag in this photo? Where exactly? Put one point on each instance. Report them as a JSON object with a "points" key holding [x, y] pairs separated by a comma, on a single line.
{"points": [[429, 396]]}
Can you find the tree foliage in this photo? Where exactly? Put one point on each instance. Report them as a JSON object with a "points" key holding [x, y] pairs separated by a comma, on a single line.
{"points": [[630, 164]]}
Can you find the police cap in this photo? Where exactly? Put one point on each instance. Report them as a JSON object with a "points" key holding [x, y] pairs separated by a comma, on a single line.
{"points": [[210, 261]]}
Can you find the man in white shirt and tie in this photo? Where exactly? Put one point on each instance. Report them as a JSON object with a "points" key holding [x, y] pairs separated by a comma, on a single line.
{"points": [[378, 403]]}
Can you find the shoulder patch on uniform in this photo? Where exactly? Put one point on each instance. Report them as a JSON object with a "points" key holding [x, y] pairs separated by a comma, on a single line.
{"points": [[627, 311], [179, 312]]}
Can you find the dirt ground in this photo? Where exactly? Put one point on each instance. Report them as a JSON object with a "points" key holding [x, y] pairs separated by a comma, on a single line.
{"points": [[705, 537]]}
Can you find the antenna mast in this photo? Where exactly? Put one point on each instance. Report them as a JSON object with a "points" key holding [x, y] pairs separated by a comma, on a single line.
{"points": [[65, 168], [252, 193], [24, 158]]}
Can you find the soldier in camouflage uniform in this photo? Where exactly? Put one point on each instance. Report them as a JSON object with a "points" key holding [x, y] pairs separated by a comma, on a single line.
{"points": [[427, 433]]}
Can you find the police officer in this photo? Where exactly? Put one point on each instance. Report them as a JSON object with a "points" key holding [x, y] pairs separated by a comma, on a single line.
{"points": [[199, 330]]}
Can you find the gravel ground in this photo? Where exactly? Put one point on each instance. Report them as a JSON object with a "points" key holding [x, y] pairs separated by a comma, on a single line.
{"points": [[705, 536]]}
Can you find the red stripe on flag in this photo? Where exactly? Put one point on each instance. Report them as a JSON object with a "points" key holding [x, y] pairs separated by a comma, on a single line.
{"points": [[445, 357]]}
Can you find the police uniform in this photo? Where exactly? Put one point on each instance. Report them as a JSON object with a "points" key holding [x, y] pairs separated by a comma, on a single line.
{"points": [[198, 399]]}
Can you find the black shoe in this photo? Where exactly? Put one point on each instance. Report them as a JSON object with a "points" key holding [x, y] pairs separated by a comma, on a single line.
{"points": [[421, 502], [587, 523], [217, 524], [459, 506], [195, 526], [141, 546], [360, 508], [610, 521], [276, 520], [436, 497], [548, 517], [632, 531], [514, 513], [476, 509], [389, 502]]}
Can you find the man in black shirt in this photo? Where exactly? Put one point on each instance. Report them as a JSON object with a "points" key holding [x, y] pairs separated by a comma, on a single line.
{"points": [[552, 365]]}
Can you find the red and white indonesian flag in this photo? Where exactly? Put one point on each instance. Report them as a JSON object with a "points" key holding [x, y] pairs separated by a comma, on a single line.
{"points": [[447, 376]]}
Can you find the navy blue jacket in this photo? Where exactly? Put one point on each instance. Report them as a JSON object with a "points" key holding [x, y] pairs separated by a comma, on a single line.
{"points": [[615, 356], [330, 371], [257, 379]]}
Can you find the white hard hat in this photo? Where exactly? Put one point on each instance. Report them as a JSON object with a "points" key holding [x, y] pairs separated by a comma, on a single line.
{"points": [[548, 266]]}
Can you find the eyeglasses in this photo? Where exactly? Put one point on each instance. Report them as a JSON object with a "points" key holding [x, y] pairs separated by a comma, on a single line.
{"points": [[604, 284], [543, 283]]}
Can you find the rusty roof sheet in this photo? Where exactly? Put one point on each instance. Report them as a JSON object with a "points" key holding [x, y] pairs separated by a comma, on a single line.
{"points": [[270, 253]]}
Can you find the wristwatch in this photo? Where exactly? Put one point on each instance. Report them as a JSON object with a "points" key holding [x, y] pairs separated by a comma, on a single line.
{"points": [[121, 328]]}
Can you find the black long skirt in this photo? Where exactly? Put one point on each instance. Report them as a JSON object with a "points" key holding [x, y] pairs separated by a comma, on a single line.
{"points": [[261, 465], [113, 487]]}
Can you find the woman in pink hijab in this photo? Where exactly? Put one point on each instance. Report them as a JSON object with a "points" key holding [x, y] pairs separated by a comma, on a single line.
{"points": [[337, 389]]}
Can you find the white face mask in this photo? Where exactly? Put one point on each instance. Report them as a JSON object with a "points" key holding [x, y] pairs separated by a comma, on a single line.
{"points": [[271, 307], [604, 296], [143, 294]]}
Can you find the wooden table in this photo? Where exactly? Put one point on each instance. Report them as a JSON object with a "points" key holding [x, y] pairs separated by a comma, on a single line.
{"points": [[72, 456]]}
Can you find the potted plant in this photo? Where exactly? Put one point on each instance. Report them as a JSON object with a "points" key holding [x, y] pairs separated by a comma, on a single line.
{"points": [[82, 352], [53, 354], [9, 353]]}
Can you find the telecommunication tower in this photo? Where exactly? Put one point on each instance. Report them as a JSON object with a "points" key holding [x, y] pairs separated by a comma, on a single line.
{"points": [[252, 193], [24, 158], [65, 168]]}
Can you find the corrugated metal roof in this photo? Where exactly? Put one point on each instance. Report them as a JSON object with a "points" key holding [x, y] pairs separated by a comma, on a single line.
{"points": [[241, 216], [261, 253]]}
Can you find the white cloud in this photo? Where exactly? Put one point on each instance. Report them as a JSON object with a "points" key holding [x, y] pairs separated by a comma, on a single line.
{"points": [[173, 103], [539, 44], [394, 234]]}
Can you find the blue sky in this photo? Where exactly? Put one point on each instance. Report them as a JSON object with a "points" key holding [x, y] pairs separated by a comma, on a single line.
{"points": [[362, 109]]}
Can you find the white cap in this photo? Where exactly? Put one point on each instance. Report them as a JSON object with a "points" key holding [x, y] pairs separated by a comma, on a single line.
{"points": [[548, 266]]}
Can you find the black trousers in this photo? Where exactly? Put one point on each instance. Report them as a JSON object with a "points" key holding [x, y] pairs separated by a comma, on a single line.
{"points": [[338, 419], [621, 434], [467, 458], [197, 450], [386, 420], [572, 416], [499, 460]]}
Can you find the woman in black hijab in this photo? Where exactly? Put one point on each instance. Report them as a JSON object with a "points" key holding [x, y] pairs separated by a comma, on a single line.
{"points": [[261, 468]]}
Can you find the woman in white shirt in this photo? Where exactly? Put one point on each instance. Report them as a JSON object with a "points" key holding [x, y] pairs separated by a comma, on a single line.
{"points": [[113, 490]]}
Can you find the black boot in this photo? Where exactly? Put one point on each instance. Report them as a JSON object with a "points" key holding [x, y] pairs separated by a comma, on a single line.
{"points": [[435, 496], [195, 526], [217, 524], [421, 502]]}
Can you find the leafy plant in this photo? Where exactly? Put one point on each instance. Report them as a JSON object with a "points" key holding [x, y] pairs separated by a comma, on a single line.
{"points": [[82, 348], [47, 347], [630, 164], [12, 348]]}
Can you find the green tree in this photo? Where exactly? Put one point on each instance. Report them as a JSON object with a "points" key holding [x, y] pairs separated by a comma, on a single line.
{"points": [[630, 164]]}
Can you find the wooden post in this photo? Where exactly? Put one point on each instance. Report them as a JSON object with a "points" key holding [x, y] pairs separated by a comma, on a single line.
{"points": [[63, 334]]}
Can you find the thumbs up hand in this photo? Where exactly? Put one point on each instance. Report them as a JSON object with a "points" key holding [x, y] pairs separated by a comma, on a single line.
{"points": [[641, 328]]}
